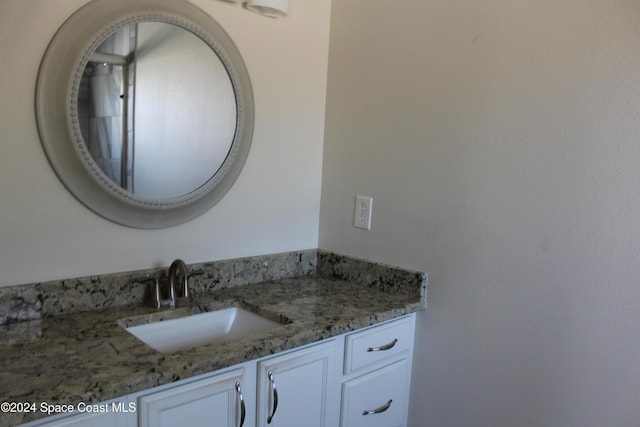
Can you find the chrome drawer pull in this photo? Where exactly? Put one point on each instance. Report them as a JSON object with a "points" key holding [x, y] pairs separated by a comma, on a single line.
{"points": [[384, 347], [242, 408], [275, 396], [380, 409]]}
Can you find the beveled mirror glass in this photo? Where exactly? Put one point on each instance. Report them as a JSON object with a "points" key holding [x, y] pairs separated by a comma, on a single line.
{"points": [[145, 110]]}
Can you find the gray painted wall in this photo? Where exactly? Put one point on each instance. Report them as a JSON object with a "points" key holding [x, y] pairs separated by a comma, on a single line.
{"points": [[500, 143]]}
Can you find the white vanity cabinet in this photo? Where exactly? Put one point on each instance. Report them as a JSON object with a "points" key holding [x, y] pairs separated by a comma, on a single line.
{"points": [[217, 401], [293, 389], [297, 389], [358, 379], [377, 375]]}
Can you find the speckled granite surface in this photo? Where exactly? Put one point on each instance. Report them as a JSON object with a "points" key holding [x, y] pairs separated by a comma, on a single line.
{"points": [[89, 357]]}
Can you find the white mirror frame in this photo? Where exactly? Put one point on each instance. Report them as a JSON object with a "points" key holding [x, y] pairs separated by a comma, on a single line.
{"points": [[57, 119]]}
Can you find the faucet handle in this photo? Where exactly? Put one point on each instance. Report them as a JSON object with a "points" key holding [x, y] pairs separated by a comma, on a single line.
{"points": [[153, 296]]}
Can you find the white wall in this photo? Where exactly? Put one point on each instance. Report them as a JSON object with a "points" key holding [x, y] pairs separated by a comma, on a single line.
{"points": [[46, 234], [500, 141]]}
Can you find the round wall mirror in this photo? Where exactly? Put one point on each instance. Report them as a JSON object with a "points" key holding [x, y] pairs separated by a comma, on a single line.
{"points": [[145, 110]]}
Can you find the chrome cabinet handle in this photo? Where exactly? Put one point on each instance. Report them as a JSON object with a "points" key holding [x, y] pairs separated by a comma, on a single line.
{"points": [[384, 347], [243, 411], [275, 396], [380, 409]]}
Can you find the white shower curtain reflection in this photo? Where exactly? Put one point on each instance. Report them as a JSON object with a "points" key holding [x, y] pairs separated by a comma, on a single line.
{"points": [[104, 100], [106, 122]]}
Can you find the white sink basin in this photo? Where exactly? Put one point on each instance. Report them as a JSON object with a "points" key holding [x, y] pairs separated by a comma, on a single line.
{"points": [[199, 329]]}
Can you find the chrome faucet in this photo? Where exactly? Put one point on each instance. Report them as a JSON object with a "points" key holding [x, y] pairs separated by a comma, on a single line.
{"points": [[176, 283], [178, 271], [156, 298]]}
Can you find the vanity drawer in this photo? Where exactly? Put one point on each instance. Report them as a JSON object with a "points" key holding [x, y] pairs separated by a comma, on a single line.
{"points": [[377, 343], [377, 399]]}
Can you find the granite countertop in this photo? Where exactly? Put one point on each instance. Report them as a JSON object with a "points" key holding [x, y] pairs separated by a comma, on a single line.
{"points": [[89, 357]]}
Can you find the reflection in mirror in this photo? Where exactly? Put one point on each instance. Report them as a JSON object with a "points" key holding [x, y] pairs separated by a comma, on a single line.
{"points": [[157, 110]]}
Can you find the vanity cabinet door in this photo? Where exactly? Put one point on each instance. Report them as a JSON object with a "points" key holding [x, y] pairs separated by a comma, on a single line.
{"points": [[298, 388], [113, 413], [108, 419], [377, 399], [210, 402]]}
